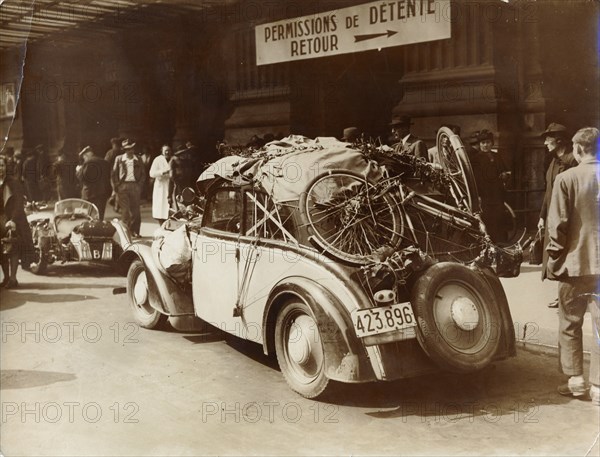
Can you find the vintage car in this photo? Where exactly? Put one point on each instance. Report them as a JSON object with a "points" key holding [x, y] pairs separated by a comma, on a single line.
{"points": [[72, 231], [299, 250]]}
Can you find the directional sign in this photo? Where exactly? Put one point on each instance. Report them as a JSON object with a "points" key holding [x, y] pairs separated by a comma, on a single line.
{"points": [[373, 25]]}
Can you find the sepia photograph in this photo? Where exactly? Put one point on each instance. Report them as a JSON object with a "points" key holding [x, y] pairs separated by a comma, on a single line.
{"points": [[299, 228]]}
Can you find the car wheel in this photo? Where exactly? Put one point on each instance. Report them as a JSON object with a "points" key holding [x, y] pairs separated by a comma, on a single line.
{"points": [[299, 350], [137, 290], [39, 264], [458, 316]]}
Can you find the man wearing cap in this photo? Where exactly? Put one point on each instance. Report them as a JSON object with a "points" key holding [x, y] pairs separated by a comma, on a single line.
{"points": [[128, 175], [94, 176], [404, 141], [572, 228], [556, 140]]}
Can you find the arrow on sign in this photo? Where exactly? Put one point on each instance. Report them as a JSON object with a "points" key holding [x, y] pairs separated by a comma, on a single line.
{"points": [[370, 36]]}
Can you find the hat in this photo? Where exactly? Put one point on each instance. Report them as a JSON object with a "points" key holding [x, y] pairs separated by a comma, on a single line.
{"points": [[350, 133], [127, 144], [402, 119], [555, 129], [85, 151], [474, 138], [485, 135], [38, 147]]}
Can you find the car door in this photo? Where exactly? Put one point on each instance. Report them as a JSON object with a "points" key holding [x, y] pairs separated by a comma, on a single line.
{"points": [[218, 262]]}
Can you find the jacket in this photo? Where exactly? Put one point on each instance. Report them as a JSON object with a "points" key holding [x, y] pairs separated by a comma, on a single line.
{"points": [[119, 171], [94, 176], [573, 247], [414, 146], [557, 165]]}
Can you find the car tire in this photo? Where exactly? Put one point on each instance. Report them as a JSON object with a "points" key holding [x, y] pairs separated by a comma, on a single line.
{"points": [[299, 349], [137, 292], [459, 322]]}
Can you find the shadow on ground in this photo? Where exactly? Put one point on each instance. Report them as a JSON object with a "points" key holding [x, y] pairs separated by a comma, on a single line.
{"points": [[23, 379]]}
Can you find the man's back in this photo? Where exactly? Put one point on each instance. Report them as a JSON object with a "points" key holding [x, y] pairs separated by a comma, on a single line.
{"points": [[573, 222]]}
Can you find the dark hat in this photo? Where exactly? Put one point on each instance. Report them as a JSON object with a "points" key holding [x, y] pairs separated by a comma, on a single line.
{"points": [[485, 135], [350, 133], [127, 144], [402, 119], [555, 129], [474, 138], [85, 151]]}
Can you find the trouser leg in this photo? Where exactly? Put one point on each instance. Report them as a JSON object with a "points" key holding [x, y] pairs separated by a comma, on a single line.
{"points": [[124, 205], [573, 295], [134, 201]]}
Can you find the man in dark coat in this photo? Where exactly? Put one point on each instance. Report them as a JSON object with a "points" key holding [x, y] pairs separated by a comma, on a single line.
{"points": [[574, 261], [31, 177], [13, 219], [183, 166], [66, 181], [556, 140], [404, 141], [94, 176]]}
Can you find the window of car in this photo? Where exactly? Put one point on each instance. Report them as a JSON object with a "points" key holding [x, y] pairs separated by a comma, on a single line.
{"points": [[223, 210]]}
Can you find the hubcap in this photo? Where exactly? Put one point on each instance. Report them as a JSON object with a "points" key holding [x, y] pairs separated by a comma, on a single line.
{"points": [[140, 290], [303, 347], [464, 313]]}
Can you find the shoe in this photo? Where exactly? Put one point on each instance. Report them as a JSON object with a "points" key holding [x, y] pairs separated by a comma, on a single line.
{"points": [[12, 284], [553, 304], [595, 395], [572, 389]]}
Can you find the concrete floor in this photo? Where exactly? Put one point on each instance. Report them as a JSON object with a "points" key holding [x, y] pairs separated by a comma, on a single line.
{"points": [[78, 378]]}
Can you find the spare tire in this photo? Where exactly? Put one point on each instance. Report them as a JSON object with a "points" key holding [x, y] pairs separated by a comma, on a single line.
{"points": [[459, 322]]}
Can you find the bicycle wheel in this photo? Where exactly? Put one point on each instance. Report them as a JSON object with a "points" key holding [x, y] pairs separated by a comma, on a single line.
{"points": [[455, 162], [349, 217]]}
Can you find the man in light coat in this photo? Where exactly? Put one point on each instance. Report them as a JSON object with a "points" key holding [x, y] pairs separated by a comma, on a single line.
{"points": [[160, 171], [573, 251]]}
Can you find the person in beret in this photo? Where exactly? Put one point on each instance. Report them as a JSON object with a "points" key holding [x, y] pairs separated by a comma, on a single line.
{"points": [[404, 141], [557, 142]]}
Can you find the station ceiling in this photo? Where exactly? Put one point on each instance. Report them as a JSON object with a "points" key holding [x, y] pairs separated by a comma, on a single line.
{"points": [[73, 21]]}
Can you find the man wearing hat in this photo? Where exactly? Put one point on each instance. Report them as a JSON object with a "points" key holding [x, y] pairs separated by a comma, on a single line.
{"points": [[128, 175], [94, 176], [404, 141], [183, 169], [556, 141], [351, 134]]}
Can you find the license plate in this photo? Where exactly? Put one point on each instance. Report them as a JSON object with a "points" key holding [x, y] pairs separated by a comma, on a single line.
{"points": [[373, 321]]}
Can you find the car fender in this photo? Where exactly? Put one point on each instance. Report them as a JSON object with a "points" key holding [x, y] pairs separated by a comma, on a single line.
{"points": [[122, 234], [165, 295], [346, 359]]}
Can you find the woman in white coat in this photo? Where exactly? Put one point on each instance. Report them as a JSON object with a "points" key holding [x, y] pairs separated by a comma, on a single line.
{"points": [[160, 194]]}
